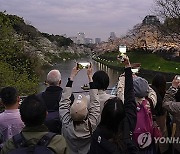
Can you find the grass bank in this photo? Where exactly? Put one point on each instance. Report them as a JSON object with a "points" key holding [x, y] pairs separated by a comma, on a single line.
{"points": [[148, 61]]}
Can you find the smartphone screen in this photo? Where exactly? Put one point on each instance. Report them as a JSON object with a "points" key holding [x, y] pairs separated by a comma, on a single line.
{"points": [[178, 77], [84, 64], [122, 49], [135, 70]]}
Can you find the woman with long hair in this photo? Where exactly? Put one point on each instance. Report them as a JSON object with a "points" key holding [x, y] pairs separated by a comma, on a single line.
{"points": [[161, 116]]}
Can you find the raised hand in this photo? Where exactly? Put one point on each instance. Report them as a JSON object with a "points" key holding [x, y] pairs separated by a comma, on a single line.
{"points": [[176, 82], [125, 60], [90, 72], [74, 72]]}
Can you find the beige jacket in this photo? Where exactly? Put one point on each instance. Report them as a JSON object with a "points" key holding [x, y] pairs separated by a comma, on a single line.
{"points": [[103, 97], [78, 137], [120, 92], [173, 107]]}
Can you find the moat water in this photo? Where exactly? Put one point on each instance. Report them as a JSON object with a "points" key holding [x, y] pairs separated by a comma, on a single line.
{"points": [[65, 68]]}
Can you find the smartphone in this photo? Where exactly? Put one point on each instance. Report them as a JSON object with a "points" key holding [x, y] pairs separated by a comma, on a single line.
{"points": [[122, 49], [135, 70], [82, 65], [178, 77]]}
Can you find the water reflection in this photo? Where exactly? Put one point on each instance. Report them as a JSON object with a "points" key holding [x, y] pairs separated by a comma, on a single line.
{"points": [[65, 68], [113, 74]]}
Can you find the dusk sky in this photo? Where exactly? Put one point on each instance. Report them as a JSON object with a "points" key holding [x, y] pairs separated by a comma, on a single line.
{"points": [[97, 18]]}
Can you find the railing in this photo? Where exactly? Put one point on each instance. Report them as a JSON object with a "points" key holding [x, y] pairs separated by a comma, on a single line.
{"points": [[113, 91]]}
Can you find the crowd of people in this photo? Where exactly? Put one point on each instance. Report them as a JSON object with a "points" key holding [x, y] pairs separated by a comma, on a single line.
{"points": [[140, 118]]}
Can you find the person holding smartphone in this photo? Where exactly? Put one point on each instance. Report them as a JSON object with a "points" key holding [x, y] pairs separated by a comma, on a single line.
{"points": [[118, 120], [80, 119], [171, 103]]}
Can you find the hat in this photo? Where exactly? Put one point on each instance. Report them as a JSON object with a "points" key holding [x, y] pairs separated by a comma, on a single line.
{"points": [[140, 87], [78, 110]]}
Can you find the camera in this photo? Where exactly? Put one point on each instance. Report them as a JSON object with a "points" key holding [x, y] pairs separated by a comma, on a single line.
{"points": [[82, 65]]}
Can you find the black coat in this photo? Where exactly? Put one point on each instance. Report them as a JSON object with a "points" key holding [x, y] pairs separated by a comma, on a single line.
{"points": [[100, 143], [51, 96]]}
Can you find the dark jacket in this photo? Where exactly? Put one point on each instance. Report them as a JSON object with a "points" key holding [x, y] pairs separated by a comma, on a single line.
{"points": [[51, 96], [100, 143], [129, 123], [161, 119], [159, 110]]}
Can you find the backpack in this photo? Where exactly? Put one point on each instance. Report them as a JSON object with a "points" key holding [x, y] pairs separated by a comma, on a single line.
{"points": [[143, 133], [40, 148]]}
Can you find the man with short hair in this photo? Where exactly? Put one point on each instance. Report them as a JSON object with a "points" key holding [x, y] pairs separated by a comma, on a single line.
{"points": [[33, 113], [101, 82], [10, 120], [51, 97]]}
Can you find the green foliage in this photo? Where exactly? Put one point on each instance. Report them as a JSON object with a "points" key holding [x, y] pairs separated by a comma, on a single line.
{"points": [[17, 67], [58, 40], [26, 30], [11, 51], [148, 61], [9, 77], [30, 33]]}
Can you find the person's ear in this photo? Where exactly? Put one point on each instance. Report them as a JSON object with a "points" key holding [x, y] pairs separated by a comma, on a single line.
{"points": [[18, 99], [45, 82], [60, 82]]}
